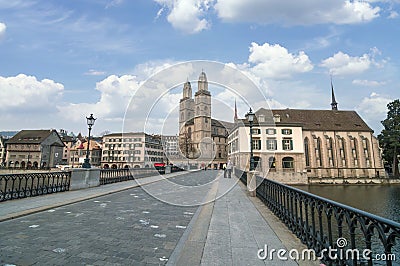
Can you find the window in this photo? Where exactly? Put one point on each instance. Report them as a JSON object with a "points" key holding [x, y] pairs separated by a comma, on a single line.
{"points": [[286, 131], [271, 162], [287, 144], [256, 131], [271, 144], [256, 144], [318, 152], [271, 131], [288, 163], [329, 144], [307, 151]]}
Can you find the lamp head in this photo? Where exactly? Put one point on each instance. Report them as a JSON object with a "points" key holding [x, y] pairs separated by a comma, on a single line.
{"points": [[90, 120], [250, 116]]}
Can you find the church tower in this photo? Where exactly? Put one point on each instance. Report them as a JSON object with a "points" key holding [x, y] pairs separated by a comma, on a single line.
{"points": [[186, 105], [202, 117]]}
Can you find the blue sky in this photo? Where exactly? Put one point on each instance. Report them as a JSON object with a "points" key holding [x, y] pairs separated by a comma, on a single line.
{"points": [[62, 60]]}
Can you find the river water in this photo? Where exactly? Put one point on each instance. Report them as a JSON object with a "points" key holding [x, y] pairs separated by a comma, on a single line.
{"points": [[381, 200]]}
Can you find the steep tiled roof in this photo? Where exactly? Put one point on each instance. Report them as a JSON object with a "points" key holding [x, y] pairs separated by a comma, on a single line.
{"points": [[30, 137], [319, 119]]}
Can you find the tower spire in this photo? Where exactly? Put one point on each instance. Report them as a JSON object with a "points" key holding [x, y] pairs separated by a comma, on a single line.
{"points": [[235, 118], [333, 103]]}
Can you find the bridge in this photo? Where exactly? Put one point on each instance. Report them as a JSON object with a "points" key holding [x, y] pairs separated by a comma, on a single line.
{"points": [[182, 218]]}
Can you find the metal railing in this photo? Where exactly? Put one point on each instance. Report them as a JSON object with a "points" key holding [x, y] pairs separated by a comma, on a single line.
{"points": [[16, 186], [242, 175], [324, 225], [109, 176], [338, 234]]}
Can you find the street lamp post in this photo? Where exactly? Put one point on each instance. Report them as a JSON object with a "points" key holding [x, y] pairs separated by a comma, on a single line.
{"points": [[90, 122], [250, 117]]}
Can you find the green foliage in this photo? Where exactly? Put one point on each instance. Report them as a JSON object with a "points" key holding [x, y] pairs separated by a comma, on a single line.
{"points": [[390, 136]]}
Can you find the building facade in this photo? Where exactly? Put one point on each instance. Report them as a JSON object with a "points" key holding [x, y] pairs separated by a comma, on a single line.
{"points": [[170, 146], [77, 153], [34, 149], [308, 145], [202, 139], [69, 142], [131, 150], [3, 151]]}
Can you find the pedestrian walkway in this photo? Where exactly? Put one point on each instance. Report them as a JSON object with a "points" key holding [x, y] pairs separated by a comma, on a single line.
{"points": [[229, 229], [236, 232]]}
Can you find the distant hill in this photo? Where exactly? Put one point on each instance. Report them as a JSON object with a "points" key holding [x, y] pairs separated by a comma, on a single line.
{"points": [[8, 134]]}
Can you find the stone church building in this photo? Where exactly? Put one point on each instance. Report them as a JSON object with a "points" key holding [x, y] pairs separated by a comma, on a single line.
{"points": [[309, 146], [202, 139]]}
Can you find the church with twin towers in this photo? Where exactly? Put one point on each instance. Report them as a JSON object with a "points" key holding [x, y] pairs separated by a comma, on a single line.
{"points": [[202, 139], [291, 145]]}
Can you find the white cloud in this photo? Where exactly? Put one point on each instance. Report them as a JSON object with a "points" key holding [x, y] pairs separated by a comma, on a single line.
{"points": [[373, 109], [24, 93], [186, 15], [393, 14], [93, 72], [307, 12], [114, 3], [368, 83], [274, 61], [3, 28], [344, 64], [115, 96]]}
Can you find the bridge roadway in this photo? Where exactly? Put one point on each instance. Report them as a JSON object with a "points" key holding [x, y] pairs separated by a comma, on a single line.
{"points": [[196, 218]]}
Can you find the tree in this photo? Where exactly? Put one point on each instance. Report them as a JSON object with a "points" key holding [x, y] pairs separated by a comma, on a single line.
{"points": [[390, 137]]}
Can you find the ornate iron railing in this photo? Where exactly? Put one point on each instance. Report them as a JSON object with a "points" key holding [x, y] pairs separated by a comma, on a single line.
{"points": [[15, 186], [325, 225], [109, 176]]}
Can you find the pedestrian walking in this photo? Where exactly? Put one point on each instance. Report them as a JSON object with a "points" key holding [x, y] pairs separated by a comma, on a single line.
{"points": [[224, 167], [229, 166]]}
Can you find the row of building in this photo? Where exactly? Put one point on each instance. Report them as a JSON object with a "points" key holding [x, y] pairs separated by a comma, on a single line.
{"points": [[285, 142], [51, 148]]}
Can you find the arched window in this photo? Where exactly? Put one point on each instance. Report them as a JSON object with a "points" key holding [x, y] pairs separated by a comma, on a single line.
{"points": [[271, 162], [354, 151], [307, 151], [366, 152], [189, 132], [318, 152], [198, 110], [288, 162], [342, 151], [329, 143]]}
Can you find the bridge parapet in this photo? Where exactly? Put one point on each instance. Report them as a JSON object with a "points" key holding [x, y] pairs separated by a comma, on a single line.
{"points": [[339, 234]]}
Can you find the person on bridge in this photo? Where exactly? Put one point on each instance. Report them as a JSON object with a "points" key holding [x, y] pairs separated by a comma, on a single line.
{"points": [[229, 166], [224, 168]]}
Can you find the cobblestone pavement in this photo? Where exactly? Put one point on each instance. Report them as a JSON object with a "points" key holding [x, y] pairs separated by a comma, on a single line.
{"points": [[131, 227]]}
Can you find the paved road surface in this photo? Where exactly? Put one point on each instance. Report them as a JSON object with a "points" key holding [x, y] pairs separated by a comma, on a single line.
{"points": [[130, 227]]}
